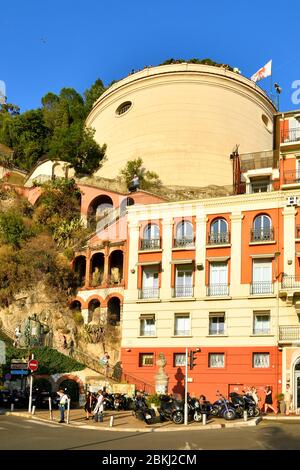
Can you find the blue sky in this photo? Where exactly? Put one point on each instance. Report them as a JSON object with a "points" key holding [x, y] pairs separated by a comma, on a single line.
{"points": [[53, 44]]}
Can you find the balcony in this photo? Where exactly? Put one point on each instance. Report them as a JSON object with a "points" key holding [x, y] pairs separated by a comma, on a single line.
{"points": [[217, 290], [291, 177], [185, 242], [290, 282], [258, 160], [218, 238], [261, 288], [288, 334], [150, 244], [149, 293], [290, 285], [262, 235], [183, 291], [290, 135]]}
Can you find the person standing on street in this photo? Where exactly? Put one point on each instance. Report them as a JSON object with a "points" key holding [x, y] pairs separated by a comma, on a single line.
{"points": [[62, 404], [269, 400], [99, 408], [288, 397]]}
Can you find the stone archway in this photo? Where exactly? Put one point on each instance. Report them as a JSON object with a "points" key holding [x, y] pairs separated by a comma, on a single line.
{"points": [[73, 385]]}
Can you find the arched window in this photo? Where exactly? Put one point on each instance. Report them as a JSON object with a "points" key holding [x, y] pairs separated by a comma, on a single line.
{"points": [[262, 228], [184, 234], [219, 232], [151, 237]]}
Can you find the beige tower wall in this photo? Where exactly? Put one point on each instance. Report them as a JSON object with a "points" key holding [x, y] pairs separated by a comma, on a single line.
{"points": [[184, 122]]}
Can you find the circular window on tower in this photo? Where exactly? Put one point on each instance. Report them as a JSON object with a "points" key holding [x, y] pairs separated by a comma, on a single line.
{"points": [[267, 122], [123, 108]]}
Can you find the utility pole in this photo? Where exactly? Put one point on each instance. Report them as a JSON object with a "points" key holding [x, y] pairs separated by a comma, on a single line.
{"points": [[186, 387], [30, 390]]}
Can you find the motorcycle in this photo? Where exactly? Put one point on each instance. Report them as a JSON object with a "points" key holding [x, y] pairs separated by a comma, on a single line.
{"points": [[244, 403], [142, 411], [224, 408]]}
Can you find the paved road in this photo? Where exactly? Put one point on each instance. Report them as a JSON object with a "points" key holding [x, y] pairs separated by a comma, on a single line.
{"points": [[23, 434]]}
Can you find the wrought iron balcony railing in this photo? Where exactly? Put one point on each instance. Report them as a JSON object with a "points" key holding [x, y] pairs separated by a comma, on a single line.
{"points": [[184, 242], [291, 177], [150, 244], [261, 288], [290, 135], [218, 238], [183, 291], [290, 282], [216, 290], [289, 333], [149, 293], [262, 234]]}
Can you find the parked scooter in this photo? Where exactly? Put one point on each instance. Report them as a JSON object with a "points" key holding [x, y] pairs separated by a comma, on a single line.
{"points": [[142, 411]]}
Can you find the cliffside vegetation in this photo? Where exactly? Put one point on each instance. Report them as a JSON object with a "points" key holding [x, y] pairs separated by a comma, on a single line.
{"points": [[35, 242]]}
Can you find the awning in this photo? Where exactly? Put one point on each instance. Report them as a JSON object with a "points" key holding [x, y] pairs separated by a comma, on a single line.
{"points": [[182, 261], [148, 263], [218, 259]]}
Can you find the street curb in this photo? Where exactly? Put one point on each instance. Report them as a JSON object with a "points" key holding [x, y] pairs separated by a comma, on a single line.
{"points": [[201, 427], [282, 418]]}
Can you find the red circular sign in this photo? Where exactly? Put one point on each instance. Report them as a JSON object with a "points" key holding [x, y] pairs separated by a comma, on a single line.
{"points": [[33, 365]]}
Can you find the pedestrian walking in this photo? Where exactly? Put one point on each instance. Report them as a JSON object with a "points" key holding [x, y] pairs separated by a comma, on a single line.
{"points": [[104, 361], [71, 347], [62, 404], [65, 345], [99, 408], [269, 400], [89, 404], [288, 397], [17, 336]]}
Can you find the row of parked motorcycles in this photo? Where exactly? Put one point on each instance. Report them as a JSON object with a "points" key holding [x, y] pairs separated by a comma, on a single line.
{"points": [[20, 398], [173, 410]]}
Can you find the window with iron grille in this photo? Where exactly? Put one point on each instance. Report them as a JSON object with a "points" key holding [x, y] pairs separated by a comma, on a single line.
{"points": [[261, 360], [179, 360], [146, 360], [216, 360]]}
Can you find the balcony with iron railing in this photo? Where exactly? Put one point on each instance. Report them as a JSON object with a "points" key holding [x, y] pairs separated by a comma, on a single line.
{"points": [[261, 288], [150, 244], [219, 238], [291, 177], [290, 282], [288, 334], [182, 291], [290, 135], [149, 293], [262, 234], [217, 290], [184, 242]]}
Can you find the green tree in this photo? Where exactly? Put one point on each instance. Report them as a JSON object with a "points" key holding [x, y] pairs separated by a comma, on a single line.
{"points": [[148, 179], [13, 228], [92, 94]]}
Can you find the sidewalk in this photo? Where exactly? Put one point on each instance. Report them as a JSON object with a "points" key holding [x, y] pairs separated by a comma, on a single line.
{"points": [[124, 421]]}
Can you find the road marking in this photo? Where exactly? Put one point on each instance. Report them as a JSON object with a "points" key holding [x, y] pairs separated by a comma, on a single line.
{"points": [[42, 423]]}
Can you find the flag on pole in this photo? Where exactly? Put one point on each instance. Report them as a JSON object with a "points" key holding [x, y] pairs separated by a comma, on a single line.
{"points": [[264, 72]]}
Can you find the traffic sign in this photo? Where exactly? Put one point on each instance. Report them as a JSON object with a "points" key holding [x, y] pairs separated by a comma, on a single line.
{"points": [[19, 372], [7, 376], [33, 365]]}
